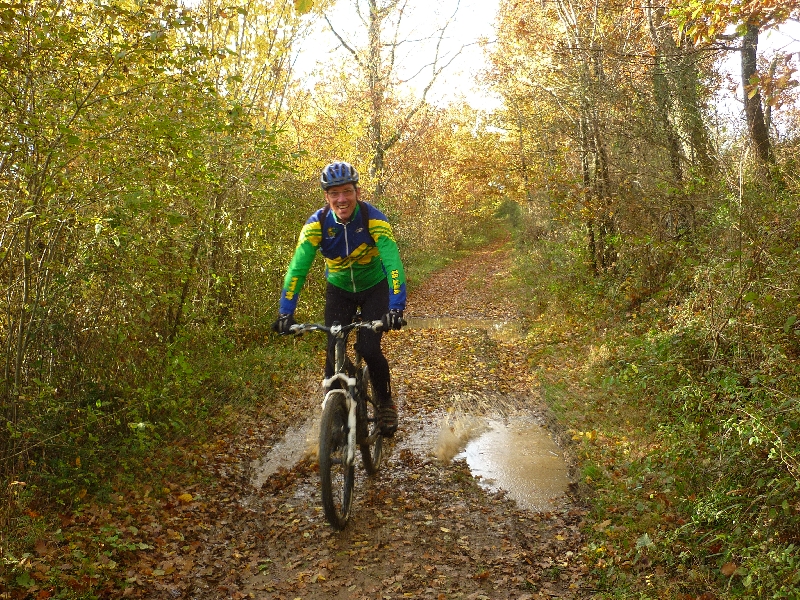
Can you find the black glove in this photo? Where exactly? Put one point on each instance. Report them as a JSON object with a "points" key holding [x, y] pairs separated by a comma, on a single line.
{"points": [[283, 324], [393, 319]]}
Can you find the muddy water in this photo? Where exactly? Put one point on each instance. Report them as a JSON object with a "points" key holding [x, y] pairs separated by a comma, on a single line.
{"points": [[501, 330], [513, 454], [297, 443], [518, 456]]}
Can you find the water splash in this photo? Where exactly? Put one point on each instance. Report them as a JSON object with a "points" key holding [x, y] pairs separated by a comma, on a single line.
{"points": [[455, 432], [299, 442]]}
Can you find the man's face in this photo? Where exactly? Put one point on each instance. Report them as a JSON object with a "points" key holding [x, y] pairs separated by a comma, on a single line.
{"points": [[342, 200]]}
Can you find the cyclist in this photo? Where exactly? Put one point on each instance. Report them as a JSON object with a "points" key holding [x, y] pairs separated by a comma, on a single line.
{"points": [[363, 268]]}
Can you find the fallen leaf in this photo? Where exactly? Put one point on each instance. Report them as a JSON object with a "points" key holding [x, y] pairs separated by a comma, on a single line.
{"points": [[728, 569], [41, 548], [602, 526]]}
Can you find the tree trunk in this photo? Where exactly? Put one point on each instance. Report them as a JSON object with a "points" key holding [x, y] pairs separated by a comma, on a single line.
{"points": [[662, 97], [686, 84], [753, 110], [588, 194], [376, 91], [522, 163], [676, 81]]}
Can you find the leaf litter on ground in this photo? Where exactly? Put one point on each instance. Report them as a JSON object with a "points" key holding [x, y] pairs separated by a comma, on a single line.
{"points": [[422, 528]]}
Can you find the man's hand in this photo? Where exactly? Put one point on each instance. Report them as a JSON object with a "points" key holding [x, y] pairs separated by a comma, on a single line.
{"points": [[284, 324], [393, 319]]}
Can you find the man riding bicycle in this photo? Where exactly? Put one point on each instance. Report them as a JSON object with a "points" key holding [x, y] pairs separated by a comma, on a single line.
{"points": [[363, 269]]}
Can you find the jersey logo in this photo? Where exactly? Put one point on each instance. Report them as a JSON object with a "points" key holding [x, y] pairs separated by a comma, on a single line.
{"points": [[331, 232]]}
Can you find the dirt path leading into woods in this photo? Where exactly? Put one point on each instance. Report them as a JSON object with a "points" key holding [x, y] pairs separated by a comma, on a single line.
{"points": [[421, 529]]}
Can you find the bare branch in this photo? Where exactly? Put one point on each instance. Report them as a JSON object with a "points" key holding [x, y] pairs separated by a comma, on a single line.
{"points": [[395, 44], [407, 119], [433, 63], [360, 16], [344, 44]]}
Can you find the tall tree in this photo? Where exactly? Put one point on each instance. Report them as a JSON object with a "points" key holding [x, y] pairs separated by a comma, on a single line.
{"points": [[753, 106], [383, 21], [115, 138], [252, 48], [708, 21], [676, 83]]}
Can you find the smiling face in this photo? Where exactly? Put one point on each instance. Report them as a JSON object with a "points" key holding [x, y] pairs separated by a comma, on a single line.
{"points": [[342, 200]]}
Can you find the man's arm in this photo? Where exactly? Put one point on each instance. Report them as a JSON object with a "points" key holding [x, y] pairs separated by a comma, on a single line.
{"points": [[307, 244], [381, 232]]}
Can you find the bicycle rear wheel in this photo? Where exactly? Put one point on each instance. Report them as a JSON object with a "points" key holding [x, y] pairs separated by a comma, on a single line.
{"points": [[371, 453], [336, 477]]}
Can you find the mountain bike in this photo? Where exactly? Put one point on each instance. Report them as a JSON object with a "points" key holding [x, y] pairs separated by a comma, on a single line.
{"points": [[349, 419]]}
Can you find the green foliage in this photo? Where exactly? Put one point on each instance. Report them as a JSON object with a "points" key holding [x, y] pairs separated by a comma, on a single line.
{"points": [[509, 209], [142, 230], [546, 268], [685, 407]]}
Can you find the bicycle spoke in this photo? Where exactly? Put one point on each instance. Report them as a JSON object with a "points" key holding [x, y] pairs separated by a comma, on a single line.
{"points": [[372, 446]]}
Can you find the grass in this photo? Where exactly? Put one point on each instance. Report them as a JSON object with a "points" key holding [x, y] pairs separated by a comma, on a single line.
{"points": [[691, 473]]}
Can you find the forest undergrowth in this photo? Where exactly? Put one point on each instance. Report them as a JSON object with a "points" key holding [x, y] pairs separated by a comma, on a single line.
{"points": [[70, 516], [685, 422]]}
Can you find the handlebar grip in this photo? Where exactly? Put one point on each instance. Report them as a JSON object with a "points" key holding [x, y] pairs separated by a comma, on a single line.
{"points": [[379, 325]]}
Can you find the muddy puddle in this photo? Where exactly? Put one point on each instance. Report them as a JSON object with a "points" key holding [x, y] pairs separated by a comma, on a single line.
{"points": [[513, 454], [501, 330], [520, 457], [297, 443]]}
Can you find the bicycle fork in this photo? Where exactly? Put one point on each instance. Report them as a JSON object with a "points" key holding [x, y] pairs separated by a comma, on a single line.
{"points": [[350, 382]]}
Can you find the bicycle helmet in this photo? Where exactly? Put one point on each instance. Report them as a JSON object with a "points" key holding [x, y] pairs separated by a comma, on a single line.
{"points": [[338, 173]]}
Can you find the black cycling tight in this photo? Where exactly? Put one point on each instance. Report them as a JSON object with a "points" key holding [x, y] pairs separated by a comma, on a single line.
{"points": [[341, 305]]}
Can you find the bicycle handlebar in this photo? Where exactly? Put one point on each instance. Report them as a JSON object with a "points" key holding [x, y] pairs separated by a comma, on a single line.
{"points": [[301, 328]]}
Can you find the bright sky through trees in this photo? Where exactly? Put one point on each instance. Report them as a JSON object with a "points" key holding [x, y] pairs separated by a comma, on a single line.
{"points": [[471, 20], [784, 39]]}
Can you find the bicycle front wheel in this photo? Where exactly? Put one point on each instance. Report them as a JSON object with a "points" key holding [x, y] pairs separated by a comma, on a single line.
{"points": [[371, 453], [336, 476]]}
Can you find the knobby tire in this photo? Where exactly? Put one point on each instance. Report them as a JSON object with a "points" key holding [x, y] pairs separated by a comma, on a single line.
{"points": [[371, 454], [336, 478]]}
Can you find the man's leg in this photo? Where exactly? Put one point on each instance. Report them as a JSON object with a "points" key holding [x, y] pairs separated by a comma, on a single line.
{"points": [[375, 304], [340, 306]]}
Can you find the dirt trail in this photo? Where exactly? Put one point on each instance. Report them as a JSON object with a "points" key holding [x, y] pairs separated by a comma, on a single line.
{"points": [[420, 529], [423, 529]]}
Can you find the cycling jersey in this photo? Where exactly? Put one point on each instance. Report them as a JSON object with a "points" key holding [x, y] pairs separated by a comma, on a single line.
{"points": [[356, 258]]}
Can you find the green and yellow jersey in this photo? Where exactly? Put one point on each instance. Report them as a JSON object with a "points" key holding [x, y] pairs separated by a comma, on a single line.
{"points": [[356, 257]]}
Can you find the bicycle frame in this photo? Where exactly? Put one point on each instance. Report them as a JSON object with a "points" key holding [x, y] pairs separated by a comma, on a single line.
{"points": [[350, 386], [345, 422], [341, 333]]}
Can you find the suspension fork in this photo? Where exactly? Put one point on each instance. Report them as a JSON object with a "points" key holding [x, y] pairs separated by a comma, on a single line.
{"points": [[349, 395]]}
